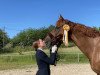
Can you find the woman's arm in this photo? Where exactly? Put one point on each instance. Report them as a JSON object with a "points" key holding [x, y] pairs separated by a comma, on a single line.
{"points": [[50, 60]]}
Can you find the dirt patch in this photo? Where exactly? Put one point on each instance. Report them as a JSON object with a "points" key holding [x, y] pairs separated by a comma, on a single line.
{"points": [[62, 69]]}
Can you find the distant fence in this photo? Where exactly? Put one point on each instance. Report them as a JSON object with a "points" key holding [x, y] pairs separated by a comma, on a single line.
{"points": [[64, 58], [73, 58]]}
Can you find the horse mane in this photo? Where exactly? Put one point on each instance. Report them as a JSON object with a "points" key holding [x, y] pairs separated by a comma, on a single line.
{"points": [[82, 29]]}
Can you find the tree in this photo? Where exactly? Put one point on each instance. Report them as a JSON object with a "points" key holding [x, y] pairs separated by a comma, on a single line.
{"points": [[51, 27], [28, 36], [4, 39], [97, 28]]}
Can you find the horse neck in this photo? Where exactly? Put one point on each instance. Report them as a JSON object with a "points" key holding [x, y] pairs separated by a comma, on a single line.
{"points": [[83, 43]]}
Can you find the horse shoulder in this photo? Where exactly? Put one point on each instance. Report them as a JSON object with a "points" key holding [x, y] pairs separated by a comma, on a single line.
{"points": [[95, 62]]}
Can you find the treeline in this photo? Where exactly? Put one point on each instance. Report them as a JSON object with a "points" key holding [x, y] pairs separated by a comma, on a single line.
{"points": [[24, 38], [97, 28]]}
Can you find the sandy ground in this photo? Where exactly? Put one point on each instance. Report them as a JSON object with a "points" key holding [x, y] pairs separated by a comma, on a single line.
{"points": [[62, 69]]}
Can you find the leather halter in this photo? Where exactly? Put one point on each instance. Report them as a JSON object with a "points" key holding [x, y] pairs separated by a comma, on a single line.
{"points": [[58, 29]]}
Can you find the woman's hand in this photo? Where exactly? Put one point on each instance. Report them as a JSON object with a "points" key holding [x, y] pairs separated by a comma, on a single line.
{"points": [[54, 49]]}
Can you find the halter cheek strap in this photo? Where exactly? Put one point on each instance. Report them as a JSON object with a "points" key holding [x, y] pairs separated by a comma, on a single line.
{"points": [[66, 28]]}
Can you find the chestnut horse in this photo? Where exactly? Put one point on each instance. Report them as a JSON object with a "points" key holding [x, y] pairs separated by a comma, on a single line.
{"points": [[87, 39]]}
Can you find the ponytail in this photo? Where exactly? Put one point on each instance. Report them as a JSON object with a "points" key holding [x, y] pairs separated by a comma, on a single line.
{"points": [[35, 45]]}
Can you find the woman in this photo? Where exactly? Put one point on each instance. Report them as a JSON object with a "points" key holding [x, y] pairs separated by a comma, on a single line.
{"points": [[43, 61]]}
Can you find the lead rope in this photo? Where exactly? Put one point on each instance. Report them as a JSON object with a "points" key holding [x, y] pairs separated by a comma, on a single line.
{"points": [[65, 39], [66, 28], [57, 58]]}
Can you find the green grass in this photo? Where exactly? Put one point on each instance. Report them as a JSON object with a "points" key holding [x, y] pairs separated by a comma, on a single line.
{"points": [[72, 58], [18, 61], [14, 60]]}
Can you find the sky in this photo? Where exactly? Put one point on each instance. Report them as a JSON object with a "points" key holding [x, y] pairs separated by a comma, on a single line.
{"points": [[17, 15]]}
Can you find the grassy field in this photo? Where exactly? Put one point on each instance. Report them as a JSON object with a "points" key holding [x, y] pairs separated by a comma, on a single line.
{"points": [[14, 60]]}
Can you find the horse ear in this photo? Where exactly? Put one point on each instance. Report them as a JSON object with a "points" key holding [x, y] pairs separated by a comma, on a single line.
{"points": [[51, 36], [60, 22], [61, 18]]}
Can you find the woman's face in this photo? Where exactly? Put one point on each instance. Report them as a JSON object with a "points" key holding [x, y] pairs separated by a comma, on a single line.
{"points": [[41, 43]]}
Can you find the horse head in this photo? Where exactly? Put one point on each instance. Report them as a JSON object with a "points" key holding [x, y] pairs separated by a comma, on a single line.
{"points": [[59, 35], [51, 40]]}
